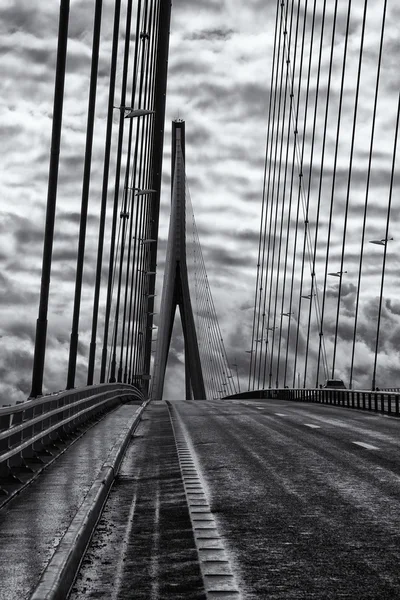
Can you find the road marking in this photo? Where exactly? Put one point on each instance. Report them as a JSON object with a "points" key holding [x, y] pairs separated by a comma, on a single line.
{"points": [[218, 578], [367, 446], [281, 414], [312, 426]]}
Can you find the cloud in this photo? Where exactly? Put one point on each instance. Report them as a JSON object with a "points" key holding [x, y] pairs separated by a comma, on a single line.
{"points": [[219, 83], [211, 34]]}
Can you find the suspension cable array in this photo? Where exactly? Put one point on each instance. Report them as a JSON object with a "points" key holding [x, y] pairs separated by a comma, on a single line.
{"points": [[217, 373], [135, 176], [332, 131], [186, 285]]}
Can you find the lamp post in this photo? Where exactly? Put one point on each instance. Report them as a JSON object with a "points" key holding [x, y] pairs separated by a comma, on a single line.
{"points": [[383, 243], [251, 358], [131, 112], [237, 374], [338, 274]]}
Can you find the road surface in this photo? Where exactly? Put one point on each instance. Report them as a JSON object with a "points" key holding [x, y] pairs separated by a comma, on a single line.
{"points": [[254, 499], [306, 500]]}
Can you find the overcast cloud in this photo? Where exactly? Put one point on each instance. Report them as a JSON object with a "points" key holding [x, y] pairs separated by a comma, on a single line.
{"points": [[219, 73]]}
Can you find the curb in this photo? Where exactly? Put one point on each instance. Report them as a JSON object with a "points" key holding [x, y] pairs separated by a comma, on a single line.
{"points": [[216, 570], [59, 575]]}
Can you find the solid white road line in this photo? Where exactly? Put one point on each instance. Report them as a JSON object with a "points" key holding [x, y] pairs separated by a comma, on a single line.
{"points": [[367, 446]]}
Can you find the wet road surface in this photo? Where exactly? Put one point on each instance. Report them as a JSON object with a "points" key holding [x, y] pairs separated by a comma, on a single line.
{"points": [[144, 547], [32, 524], [307, 496]]}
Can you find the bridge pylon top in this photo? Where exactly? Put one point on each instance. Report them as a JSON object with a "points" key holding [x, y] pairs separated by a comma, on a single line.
{"points": [[176, 285]]}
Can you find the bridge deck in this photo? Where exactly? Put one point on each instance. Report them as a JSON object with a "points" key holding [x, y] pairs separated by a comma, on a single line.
{"points": [[144, 546], [305, 501], [32, 524]]}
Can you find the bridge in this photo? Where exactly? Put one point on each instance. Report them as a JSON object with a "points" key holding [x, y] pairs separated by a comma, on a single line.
{"points": [[248, 446]]}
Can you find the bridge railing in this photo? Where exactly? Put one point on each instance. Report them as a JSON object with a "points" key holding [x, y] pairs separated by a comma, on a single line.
{"points": [[27, 427], [382, 401]]}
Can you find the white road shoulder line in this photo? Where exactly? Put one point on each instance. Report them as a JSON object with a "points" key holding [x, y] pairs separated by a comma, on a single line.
{"points": [[367, 446], [312, 426]]}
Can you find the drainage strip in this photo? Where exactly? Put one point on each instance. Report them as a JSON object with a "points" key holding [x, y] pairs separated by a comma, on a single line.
{"points": [[218, 578]]}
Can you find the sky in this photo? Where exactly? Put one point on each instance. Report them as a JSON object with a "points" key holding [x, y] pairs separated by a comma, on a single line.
{"points": [[218, 82]]}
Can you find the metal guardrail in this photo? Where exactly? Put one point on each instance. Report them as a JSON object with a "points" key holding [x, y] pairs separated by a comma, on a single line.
{"points": [[382, 401], [27, 427], [59, 575]]}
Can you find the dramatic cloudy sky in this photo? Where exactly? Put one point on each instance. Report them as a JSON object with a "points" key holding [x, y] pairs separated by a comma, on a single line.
{"points": [[219, 72]]}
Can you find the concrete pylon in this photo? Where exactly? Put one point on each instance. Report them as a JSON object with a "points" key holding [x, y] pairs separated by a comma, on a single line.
{"points": [[176, 285]]}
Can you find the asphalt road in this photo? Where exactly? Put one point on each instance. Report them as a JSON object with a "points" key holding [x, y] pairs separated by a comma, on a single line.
{"points": [[307, 497]]}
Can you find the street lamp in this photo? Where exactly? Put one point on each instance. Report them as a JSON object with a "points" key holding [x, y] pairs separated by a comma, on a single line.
{"points": [[381, 242], [145, 192], [337, 274], [237, 374], [135, 112]]}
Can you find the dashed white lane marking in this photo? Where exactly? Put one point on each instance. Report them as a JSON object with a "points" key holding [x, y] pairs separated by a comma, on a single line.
{"points": [[367, 446], [281, 414], [312, 426], [219, 580]]}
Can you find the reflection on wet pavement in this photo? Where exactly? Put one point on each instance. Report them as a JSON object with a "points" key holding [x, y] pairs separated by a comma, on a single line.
{"points": [[143, 547], [32, 524]]}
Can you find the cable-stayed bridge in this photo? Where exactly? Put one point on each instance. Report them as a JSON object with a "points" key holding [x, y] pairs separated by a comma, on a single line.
{"points": [[280, 490]]}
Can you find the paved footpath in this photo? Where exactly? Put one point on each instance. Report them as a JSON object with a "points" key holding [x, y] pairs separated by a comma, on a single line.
{"points": [[33, 523]]}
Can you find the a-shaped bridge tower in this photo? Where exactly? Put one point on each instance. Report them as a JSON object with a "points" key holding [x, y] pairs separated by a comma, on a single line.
{"points": [[176, 285]]}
